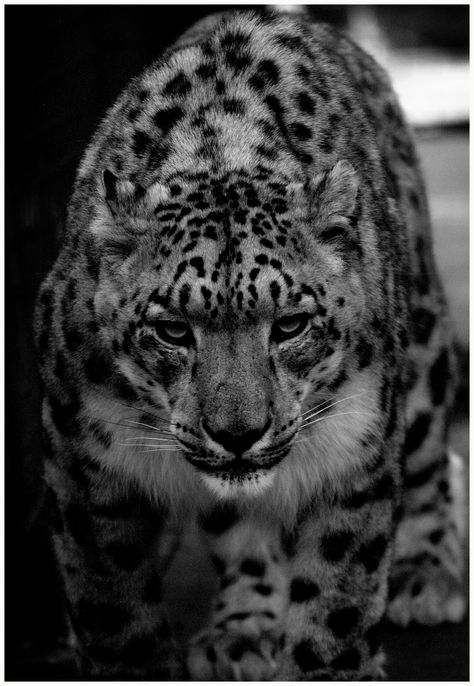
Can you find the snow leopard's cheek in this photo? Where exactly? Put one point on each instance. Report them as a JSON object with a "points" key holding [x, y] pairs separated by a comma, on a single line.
{"points": [[313, 363]]}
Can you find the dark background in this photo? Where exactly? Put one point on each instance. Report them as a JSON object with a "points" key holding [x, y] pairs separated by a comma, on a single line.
{"points": [[64, 66]]}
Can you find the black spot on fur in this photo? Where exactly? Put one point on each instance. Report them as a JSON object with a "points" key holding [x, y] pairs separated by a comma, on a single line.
{"points": [[206, 70], [305, 103], [180, 269], [438, 379], [261, 259], [198, 264], [166, 119], [342, 622], [235, 46], [370, 554], [97, 368], [266, 152], [179, 85], [178, 236], [292, 42], [302, 590], [349, 659], [364, 352], [306, 657], [417, 432], [436, 535], [252, 567], [218, 564], [335, 545], [238, 648], [275, 106], [184, 294], [133, 114], [267, 73], [275, 291], [141, 142], [289, 540], [373, 636], [233, 106], [421, 477], [423, 323], [422, 280], [301, 131], [263, 589], [158, 154], [334, 234]]}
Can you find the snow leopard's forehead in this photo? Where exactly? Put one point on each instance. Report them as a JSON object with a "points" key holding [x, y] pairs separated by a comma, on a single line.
{"points": [[230, 244]]}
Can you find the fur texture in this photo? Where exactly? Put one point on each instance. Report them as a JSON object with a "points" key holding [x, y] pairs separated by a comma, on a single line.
{"points": [[245, 326]]}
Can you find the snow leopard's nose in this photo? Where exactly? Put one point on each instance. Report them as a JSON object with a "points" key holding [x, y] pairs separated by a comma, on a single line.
{"points": [[236, 443]]}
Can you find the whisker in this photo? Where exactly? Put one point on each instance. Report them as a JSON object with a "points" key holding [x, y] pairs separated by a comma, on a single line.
{"points": [[155, 450], [336, 402], [137, 409], [106, 421], [162, 432], [148, 438], [149, 426], [337, 414], [141, 409], [109, 421], [312, 409], [147, 445]]}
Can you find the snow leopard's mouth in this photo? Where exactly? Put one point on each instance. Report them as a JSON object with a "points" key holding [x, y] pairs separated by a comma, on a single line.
{"points": [[232, 466], [235, 468], [231, 484]]}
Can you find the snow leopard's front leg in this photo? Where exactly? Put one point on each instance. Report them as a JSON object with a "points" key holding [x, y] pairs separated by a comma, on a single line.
{"points": [[339, 559], [105, 542], [243, 639]]}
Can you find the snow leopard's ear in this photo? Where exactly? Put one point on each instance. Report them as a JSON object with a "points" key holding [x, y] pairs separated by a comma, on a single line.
{"points": [[331, 204], [123, 214], [329, 194], [118, 194], [125, 197], [333, 194]]}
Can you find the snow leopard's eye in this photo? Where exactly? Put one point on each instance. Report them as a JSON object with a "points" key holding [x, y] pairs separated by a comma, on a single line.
{"points": [[174, 332], [290, 327]]}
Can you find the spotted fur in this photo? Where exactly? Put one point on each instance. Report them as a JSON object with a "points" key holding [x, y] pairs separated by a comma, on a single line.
{"points": [[245, 326]]}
